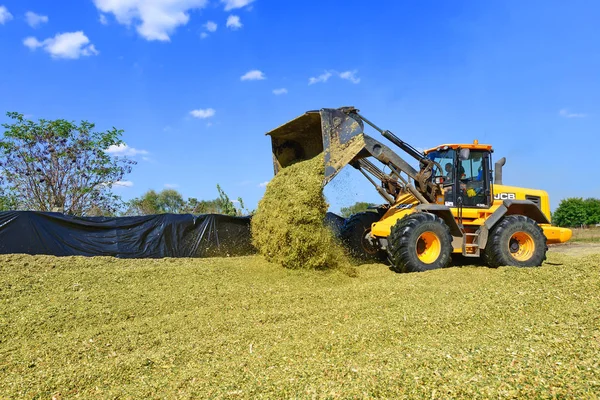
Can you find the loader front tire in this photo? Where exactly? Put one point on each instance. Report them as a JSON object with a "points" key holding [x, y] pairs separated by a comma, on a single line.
{"points": [[515, 240], [419, 242], [355, 236]]}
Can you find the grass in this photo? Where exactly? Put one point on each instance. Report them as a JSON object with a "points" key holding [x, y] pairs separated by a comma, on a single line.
{"points": [[586, 235], [244, 328]]}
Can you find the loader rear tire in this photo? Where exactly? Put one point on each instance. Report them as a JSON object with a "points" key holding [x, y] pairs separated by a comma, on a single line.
{"points": [[517, 241], [354, 234], [419, 242]]}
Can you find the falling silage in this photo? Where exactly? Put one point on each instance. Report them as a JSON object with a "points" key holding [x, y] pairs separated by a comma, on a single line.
{"points": [[288, 227]]}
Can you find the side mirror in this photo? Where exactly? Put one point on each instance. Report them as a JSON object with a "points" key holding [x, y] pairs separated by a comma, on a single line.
{"points": [[464, 154]]}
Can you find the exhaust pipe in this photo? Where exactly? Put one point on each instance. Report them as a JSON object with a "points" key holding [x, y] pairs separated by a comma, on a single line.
{"points": [[498, 171]]}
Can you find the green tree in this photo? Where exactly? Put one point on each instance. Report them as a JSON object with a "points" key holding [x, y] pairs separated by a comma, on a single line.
{"points": [[171, 201], [225, 205], [571, 212], [242, 210], [147, 204], [8, 201], [60, 165], [355, 208], [195, 206], [167, 201], [592, 211]]}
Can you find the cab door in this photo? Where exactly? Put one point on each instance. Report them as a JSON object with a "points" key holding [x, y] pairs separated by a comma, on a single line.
{"points": [[473, 183]]}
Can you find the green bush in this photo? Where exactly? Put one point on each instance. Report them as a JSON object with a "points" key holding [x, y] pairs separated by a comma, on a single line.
{"points": [[576, 212]]}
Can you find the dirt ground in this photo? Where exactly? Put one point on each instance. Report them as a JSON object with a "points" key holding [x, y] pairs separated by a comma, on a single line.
{"points": [[577, 249]]}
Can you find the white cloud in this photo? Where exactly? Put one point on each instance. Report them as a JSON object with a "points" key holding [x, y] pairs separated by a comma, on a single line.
{"points": [[567, 114], [254, 75], [123, 184], [350, 75], [70, 45], [203, 35], [233, 22], [5, 16], [321, 78], [171, 185], [277, 92], [324, 77], [233, 4], [124, 150], [153, 19], [263, 184], [34, 20], [211, 26], [32, 43], [103, 20], [203, 113]]}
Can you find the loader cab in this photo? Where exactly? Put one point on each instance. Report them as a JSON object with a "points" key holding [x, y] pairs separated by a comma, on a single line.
{"points": [[464, 172]]}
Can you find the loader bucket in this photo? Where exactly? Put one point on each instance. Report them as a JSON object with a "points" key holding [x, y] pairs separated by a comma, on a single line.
{"points": [[332, 131]]}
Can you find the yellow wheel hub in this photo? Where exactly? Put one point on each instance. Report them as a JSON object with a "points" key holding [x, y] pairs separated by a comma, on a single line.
{"points": [[521, 246], [429, 247]]}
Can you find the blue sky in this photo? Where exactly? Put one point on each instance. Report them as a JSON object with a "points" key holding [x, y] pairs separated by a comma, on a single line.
{"points": [[521, 75]]}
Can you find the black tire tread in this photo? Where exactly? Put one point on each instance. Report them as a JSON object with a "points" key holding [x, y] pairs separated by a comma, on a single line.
{"points": [[351, 235], [495, 254], [399, 248]]}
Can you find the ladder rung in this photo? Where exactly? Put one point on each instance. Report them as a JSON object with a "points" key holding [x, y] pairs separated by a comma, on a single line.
{"points": [[471, 255]]}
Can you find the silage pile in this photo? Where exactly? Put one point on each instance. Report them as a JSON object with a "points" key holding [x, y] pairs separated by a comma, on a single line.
{"points": [[288, 225]]}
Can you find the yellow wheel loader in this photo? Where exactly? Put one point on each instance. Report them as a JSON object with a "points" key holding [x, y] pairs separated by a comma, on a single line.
{"points": [[450, 203]]}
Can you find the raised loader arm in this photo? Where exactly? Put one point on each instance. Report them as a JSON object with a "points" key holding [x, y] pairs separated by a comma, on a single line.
{"points": [[339, 133]]}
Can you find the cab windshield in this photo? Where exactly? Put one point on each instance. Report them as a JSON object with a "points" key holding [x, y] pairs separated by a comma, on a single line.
{"points": [[445, 159]]}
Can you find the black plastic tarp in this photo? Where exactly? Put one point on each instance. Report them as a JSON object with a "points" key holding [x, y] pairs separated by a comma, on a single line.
{"points": [[152, 236], [335, 223]]}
